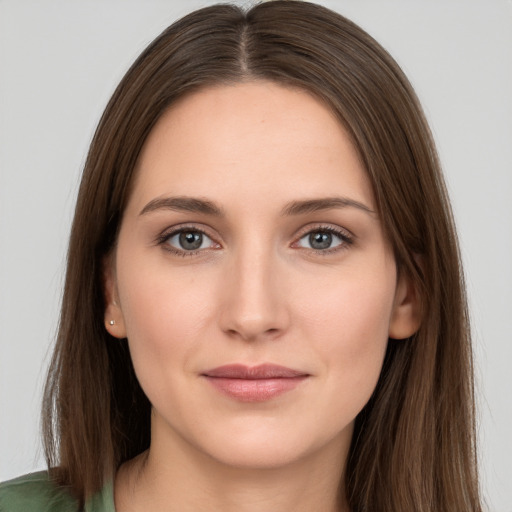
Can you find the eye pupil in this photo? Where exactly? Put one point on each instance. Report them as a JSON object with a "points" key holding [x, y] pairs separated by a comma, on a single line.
{"points": [[320, 240], [191, 240]]}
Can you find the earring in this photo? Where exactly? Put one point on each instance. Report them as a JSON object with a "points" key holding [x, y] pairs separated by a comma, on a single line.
{"points": [[112, 322]]}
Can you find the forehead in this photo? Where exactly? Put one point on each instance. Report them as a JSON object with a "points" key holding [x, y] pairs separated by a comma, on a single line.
{"points": [[252, 137]]}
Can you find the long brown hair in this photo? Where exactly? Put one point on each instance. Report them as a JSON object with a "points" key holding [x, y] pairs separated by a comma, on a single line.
{"points": [[414, 443]]}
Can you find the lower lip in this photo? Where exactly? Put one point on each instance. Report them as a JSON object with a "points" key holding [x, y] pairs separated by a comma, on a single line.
{"points": [[255, 390]]}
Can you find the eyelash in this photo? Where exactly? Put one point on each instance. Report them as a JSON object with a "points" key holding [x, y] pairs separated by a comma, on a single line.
{"points": [[167, 235], [346, 238]]}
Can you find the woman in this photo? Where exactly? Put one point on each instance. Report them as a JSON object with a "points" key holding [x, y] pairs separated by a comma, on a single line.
{"points": [[263, 306]]}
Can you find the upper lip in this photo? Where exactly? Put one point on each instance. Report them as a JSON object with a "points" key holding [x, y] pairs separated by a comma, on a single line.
{"points": [[262, 371]]}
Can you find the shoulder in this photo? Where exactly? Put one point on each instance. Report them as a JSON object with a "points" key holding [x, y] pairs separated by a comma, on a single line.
{"points": [[35, 492]]}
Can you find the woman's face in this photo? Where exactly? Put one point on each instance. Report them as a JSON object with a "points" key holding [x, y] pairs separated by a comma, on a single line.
{"points": [[252, 278]]}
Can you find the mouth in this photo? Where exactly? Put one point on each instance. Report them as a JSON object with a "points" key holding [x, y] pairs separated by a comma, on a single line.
{"points": [[254, 384]]}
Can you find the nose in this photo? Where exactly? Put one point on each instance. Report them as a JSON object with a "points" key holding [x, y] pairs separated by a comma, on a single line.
{"points": [[253, 297]]}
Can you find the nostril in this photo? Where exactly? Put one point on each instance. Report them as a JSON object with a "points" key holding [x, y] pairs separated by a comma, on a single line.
{"points": [[253, 334]]}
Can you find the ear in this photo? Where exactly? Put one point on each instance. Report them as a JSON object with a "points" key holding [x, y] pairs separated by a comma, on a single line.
{"points": [[114, 320], [406, 315]]}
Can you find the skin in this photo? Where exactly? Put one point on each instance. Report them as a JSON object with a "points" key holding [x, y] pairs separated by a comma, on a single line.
{"points": [[257, 291]]}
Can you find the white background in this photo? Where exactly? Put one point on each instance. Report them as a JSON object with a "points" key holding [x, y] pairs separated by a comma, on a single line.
{"points": [[60, 61]]}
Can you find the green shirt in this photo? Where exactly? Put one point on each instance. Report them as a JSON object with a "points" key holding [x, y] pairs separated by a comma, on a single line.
{"points": [[37, 493]]}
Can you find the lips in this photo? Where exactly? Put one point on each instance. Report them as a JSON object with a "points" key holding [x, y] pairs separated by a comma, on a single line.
{"points": [[256, 383]]}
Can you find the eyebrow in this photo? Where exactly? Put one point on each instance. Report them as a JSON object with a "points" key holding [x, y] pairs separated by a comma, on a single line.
{"points": [[327, 203], [196, 205], [183, 204]]}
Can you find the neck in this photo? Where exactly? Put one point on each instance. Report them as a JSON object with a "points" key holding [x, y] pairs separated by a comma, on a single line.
{"points": [[178, 477]]}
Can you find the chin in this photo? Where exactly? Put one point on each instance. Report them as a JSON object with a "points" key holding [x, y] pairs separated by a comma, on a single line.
{"points": [[258, 456], [260, 448]]}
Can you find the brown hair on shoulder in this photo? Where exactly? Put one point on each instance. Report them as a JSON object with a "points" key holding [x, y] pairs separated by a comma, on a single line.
{"points": [[414, 443]]}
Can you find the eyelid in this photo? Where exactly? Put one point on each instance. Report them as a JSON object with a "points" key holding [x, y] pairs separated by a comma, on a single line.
{"points": [[324, 226], [346, 236], [169, 232]]}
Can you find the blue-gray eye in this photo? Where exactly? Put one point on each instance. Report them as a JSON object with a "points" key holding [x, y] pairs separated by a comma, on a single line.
{"points": [[189, 240], [321, 240]]}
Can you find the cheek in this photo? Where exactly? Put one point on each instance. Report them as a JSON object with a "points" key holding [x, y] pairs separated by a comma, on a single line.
{"points": [[350, 324], [163, 312], [153, 294], [353, 306], [164, 316]]}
